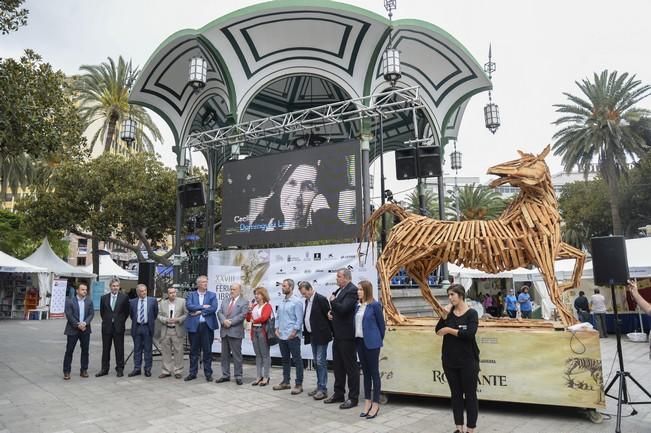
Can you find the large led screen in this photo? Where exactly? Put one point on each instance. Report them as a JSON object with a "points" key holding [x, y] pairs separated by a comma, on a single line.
{"points": [[300, 195]]}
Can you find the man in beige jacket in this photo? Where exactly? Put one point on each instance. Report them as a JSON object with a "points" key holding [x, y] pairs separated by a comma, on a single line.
{"points": [[172, 314]]}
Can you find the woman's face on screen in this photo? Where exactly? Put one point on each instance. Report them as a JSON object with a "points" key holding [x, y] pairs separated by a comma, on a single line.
{"points": [[297, 194]]}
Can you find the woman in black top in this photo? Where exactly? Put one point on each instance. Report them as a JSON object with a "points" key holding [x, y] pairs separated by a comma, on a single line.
{"points": [[460, 356]]}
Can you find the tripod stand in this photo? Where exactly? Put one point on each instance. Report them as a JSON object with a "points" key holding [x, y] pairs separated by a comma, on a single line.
{"points": [[621, 375]]}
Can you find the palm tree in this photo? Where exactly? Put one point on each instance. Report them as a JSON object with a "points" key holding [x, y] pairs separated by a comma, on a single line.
{"points": [[476, 202], [16, 172], [604, 124], [102, 93], [431, 203]]}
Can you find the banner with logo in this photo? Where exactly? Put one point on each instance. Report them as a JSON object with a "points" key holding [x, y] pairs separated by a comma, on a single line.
{"points": [[268, 267], [541, 366], [58, 298]]}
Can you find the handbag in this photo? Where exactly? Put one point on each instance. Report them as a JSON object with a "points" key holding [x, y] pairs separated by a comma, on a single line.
{"points": [[270, 329]]}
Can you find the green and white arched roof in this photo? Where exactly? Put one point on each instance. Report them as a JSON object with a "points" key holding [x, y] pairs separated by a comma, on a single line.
{"points": [[286, 55]]}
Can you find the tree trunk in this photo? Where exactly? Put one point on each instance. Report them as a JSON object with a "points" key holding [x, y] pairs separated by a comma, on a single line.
{"points": [[95, 247], [608, 173], [110, 132]]}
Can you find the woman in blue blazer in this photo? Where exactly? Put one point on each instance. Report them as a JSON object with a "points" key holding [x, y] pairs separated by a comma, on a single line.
{"points": [[369, 333]]}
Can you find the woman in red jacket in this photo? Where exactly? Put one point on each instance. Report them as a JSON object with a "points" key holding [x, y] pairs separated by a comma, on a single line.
{"points": [[259, 313]]}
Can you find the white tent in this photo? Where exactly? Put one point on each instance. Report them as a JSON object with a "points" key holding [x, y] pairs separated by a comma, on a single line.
{"points": [[11, 264], [637, 254], [109, 269], [45, 257]]}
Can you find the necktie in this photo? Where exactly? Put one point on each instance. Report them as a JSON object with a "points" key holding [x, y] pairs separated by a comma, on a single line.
{"points": [[230, 307], [113, 302], [307, 302], [141, 314]]}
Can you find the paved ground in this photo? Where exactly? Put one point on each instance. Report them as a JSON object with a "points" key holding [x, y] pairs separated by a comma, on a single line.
{"points": [[34, 398]]}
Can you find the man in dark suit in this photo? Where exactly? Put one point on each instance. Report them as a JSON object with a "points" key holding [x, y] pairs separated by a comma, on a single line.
{"points": [[144, 310], [201, 323], [317, 331], [79, 313], [231, 317], [344, 353], [114, 310]]}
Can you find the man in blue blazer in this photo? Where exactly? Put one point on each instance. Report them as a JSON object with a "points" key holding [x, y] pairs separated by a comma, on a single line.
{"points": [[201, 324], [79, 313], [144, 310]]}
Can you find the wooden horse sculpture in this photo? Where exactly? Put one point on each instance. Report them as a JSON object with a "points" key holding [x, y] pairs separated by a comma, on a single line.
{"points": [[527, 233]]}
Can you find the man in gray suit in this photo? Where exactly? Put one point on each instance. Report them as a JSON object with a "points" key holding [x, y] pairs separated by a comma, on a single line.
{"points": [[231, 316], [79, 313], [171, 315]]}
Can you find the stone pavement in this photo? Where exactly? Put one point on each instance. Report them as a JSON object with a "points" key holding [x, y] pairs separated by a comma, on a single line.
{"points": [[34, 398]]}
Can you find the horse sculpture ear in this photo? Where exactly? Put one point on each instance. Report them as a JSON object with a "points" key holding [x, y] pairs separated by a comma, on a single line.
{"points": [[522, 154], [545, 152]]}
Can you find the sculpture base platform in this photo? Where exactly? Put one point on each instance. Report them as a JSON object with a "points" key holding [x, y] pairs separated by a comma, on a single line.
{"points": [[539, 365]]}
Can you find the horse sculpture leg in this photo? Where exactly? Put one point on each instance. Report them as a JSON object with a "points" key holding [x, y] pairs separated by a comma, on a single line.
{"points": [[386, 272], [420, 271], [567, 251], [547, 272]]}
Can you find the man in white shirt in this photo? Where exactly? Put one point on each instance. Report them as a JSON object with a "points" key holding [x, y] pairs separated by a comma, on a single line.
{"points": [[598, 307]]}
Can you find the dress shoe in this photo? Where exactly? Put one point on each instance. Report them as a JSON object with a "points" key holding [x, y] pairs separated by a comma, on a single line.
{"points": [[374, 414], [83, 373], [313, 392], [333, 399], [348, 404], [148, 373], [163, 375], [120, 373], [134, 373], [320, 395], [66, 376], [190, 377], [282, 386], [257, 382], [239, 381], [223, 379], [208, 378], [101, 373], [178, 376], [265, 382]]}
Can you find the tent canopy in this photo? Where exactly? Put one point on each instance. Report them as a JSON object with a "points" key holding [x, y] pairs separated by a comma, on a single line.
{"points": [[109, 269], [44, 256], [11, 264]]}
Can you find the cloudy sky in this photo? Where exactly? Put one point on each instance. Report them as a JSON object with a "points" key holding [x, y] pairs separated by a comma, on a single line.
{"points": [[540, 48]]}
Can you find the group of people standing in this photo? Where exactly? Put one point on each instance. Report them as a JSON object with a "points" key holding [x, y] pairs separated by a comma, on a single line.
{"points": [[351, 318], [596, 307]]}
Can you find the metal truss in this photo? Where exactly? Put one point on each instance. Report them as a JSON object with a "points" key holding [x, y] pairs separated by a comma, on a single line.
{"points": [[381, 104]]}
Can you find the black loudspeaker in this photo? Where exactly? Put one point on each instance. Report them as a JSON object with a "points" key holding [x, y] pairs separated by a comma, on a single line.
{"points": [[429, 161], [191, 194], [146, 271], [609, 261], [406, 164]]}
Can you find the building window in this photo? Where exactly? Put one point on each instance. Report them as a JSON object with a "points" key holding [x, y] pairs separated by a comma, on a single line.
{"points": [[82, 247], [81, 261]]}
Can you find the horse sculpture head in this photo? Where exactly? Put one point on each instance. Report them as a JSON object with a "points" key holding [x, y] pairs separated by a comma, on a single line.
{"points": [[527, 171]]}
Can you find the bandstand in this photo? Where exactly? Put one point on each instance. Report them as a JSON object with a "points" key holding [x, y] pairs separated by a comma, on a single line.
{"points": [[289, 74]]}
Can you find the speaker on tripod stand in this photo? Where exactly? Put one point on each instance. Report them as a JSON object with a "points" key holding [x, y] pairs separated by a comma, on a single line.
{"points": [[610, 268]]}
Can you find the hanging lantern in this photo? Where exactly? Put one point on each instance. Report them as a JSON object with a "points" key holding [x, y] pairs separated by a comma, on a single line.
{"points": [[492, 117], [128, 132], [391, 65], [198, 72], [455, 160]]}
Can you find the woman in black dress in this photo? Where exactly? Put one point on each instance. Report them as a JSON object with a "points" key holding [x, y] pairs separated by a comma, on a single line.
{"points": [[460, 356]]}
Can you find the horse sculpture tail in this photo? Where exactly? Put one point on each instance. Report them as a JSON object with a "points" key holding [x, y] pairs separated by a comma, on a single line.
{"points": [[368, 229]]}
